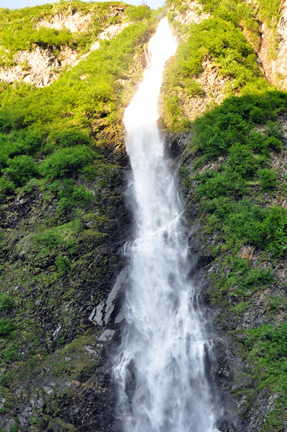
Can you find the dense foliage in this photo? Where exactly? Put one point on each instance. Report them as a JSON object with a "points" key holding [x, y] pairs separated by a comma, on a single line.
{"points": [[220, 40], [36, 122], [233, 148]]}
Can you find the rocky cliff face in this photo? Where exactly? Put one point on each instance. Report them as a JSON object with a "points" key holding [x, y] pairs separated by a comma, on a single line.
{"points": [[274, 59], [41, 66], [271, 43]]}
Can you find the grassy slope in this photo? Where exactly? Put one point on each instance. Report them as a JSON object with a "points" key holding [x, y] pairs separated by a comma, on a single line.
{"points": [[232, 154], [19, 32], [60, 162]]}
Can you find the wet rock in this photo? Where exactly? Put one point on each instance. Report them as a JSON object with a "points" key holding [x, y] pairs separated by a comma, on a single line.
{"points": [[221, 368], [224, 425], [107, 335], [175, 145]]}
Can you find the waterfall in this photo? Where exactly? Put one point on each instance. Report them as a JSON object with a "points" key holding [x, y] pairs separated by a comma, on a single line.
{"points": [[160, 367]]}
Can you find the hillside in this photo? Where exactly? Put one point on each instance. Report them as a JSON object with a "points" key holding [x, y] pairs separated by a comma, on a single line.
{"points": [[67, 72], [233, 176]]}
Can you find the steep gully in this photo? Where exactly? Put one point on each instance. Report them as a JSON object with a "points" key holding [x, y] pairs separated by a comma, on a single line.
{"points": [[161, 364]]}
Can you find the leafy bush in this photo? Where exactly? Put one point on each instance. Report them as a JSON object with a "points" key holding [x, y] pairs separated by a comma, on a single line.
{"points": [[267, 179], [6, 303], [242, 161], [6, 327], [258, 142], [268, 345], [71, 196], [21, 168], [262, 227], [6, 187], [229, 124], [215, 184], [67, 162], [10, 354], [139, 13], [225, 131], [274, 129], [63, 264], [251, 280], [48, 239], [72, 138]]}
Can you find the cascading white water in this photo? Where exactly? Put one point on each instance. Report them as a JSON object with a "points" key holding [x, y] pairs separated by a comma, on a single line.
{"points": [[159, 369]]}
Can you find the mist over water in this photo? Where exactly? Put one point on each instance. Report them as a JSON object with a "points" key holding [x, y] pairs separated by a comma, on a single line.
{"points": [[160, 367]]}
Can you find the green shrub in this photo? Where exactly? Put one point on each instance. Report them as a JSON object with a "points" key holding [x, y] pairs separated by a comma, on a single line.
{"points": [[63, 264], [253, 280], [215, 184], [67, 162], [32, 185], [242, 161], [6, 327], [10, 355], [6, 303], [267, 179], [71, 195], [274, 129], [72, 138], [274, 144], [139, 13], [89, 172], [21, 168], [258, 142], [26, 141], [6, 187], [275, 231], [265, 228], [247, 280], [48, 239], [271, 342], [257, 115], [229, 124]]}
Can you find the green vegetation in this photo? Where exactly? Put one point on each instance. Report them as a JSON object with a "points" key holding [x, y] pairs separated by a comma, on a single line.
{"points": [[219, 40], [230, 132], [83, 112], [6, 327], [234, 155], [21, 28], [248, 15], [60, 170], [239, 9], [6, 303], [232, 150], [267, 347], [21, 168], [66, 162]]}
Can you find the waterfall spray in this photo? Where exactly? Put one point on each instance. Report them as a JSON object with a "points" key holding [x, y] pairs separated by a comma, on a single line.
{"points": [[159, 368]]}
